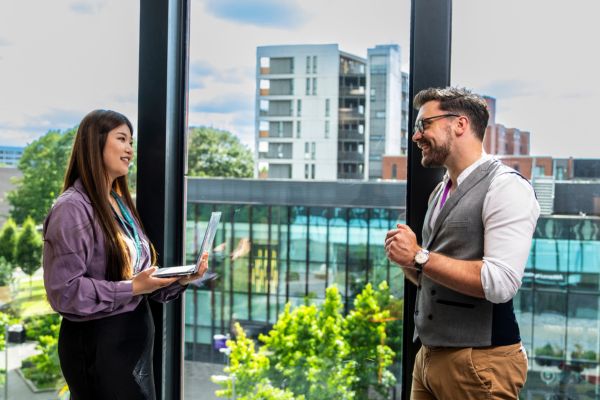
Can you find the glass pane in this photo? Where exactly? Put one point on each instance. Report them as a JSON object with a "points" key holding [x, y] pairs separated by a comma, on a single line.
{"points": [[557, 306], [285, 136], [59, 61]]}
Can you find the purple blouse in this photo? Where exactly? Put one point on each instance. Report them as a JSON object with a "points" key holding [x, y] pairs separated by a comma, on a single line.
{"points": [[74, 263]]}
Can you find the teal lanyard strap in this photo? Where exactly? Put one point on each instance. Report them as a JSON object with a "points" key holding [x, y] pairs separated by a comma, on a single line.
{"points": [[130, 229]]}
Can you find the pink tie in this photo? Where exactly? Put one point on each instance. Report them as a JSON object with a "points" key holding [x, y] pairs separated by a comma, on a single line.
{"points": [[445, 194]]}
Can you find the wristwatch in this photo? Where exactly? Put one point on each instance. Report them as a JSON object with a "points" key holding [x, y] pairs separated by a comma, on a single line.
{"points": [[420, 259]]}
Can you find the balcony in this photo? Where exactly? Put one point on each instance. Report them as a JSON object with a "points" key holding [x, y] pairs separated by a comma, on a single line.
{"points": [[352, 156], [353, 91], [351, 135], [350, 113], [350, 175], [283, 65]]}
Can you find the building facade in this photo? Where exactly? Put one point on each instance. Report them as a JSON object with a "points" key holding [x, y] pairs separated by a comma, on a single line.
{"points": [[284, 241], [384, 108], [304, 94], [502, 140], [10, 155], [324, 114]]}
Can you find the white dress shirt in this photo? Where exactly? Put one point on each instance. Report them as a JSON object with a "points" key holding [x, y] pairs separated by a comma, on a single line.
{"points": [[509, 215]]}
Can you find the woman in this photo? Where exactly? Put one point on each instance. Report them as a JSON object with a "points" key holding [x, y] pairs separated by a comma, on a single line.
{"points": [[98, 266]]}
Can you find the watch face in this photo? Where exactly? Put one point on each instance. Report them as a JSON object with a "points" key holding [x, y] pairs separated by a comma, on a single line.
{"points": [[421, 257]]}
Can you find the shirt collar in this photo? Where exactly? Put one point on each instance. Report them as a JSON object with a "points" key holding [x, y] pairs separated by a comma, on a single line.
{"points": [[467, 171]]}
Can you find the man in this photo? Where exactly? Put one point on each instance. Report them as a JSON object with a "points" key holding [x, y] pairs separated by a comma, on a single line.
{"points": [[476, 239]]}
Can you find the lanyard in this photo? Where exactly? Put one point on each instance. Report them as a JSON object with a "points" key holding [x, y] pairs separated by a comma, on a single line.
{"points": [[130, 229]]}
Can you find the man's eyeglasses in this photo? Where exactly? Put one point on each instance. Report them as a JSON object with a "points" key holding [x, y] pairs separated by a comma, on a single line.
{"points": [[422, 124]]}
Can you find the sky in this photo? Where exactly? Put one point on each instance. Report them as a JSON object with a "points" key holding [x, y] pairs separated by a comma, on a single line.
{"points": [[69, 57]]}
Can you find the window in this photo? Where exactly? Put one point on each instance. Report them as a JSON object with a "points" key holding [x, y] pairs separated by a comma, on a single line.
{"points": [[297, 249], [264, 107], [557, 309], [264, 85], [263, 146]]}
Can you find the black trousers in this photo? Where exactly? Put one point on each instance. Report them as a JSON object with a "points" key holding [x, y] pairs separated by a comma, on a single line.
{"points": [[109, 358]]}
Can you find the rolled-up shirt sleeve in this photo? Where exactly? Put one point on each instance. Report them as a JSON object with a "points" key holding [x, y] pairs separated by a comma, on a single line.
{"points": [[69, 254], [510, 213]]}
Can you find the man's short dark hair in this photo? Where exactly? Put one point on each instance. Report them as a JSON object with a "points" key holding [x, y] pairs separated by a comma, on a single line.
{"points": [[459, 101]]}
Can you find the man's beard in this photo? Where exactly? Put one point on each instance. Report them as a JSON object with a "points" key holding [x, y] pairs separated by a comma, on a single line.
{"points": [[437, 155]]}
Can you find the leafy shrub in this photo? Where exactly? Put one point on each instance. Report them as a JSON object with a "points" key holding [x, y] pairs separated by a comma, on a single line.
{"points": [[315, 353], [580, 354], [44, 369], [42, 325], [549, 350]]}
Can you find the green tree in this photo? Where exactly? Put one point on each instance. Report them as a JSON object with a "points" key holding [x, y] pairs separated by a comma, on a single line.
{"points": [[8, 241], [249, 370], [213, 152], [315, 353], [132, 174], [308, 353], [29, 249], [6, 270], [365, 331], [43, 165]]}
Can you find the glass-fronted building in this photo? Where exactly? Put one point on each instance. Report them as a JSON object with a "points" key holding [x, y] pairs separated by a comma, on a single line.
{"points": [[288, 249], [312, 235]]}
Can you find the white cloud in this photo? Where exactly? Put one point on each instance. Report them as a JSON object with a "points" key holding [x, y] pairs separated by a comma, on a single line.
{"points": [[63, 60], [69, 57], [544, 49]]}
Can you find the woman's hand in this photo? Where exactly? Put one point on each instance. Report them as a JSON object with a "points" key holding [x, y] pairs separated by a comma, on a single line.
{"points": [[144, 282], [201, 270]]}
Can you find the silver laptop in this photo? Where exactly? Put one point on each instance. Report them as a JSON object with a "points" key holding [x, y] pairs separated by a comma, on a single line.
{"points": [[209, 237]]}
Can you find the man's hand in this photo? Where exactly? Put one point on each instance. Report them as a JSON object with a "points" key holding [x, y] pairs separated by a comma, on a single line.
{"points": [[201, 271], [401, 246]]}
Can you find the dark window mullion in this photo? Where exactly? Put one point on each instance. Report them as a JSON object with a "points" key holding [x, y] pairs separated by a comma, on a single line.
{"points": [[269, 256]]}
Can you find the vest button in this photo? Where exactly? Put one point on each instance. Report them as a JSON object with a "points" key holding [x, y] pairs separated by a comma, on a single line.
{"points": [[416, 312], [419, 287], [433, 292], [430, 316]]}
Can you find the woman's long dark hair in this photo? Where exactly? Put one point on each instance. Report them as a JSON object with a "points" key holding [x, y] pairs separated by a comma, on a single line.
{"points": [[86, 163]]}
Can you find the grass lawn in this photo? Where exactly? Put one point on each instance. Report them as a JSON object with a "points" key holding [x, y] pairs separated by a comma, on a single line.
{"points": [[29, 301]]}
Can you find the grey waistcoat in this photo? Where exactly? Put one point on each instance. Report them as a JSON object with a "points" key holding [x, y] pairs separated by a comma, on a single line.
{"points": [[447, 318]]}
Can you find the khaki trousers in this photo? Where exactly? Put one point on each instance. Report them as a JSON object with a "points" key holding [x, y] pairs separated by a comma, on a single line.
{"points": [[446, 373]]}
